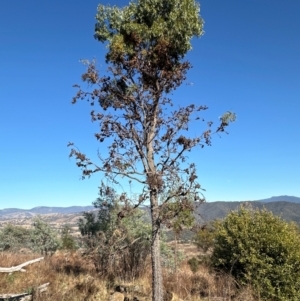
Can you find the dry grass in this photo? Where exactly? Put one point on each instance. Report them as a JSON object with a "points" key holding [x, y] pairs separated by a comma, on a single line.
{"points": [[67, 281], [74, 278], [204, 285]]}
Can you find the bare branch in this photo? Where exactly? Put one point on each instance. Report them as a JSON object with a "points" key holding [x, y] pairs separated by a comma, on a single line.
{"points": [[20, 266]]}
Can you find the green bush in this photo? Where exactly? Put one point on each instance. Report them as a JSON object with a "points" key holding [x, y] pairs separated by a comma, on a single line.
{"points": [[68, 242], [116, 239], [204, 238], [194, 264], [44, 239], [262, 250], [14, 238]]}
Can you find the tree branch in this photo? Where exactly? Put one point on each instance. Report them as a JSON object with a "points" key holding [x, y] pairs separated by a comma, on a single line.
{"points": [[20, 266]]}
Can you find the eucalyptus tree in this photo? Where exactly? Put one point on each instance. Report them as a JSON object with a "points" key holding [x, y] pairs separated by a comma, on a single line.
{"points": [[147, 41]]}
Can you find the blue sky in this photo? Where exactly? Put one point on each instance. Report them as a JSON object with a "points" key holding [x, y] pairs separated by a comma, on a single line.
{"points": [[248, 61]]}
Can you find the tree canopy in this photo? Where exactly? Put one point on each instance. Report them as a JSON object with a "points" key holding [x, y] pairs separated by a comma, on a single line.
{"points": [[156, 26]]}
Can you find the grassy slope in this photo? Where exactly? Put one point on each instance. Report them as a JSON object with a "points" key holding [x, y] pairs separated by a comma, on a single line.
{"points": [[73, 278]]}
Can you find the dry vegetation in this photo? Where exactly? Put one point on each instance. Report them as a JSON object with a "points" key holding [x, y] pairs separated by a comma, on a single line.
{"points": [[73, 277]]}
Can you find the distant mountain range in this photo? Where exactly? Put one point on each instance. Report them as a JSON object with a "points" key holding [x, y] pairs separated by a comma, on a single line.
{"points": [[282, 198], [14, 212], [288, 207], [210, 211]]}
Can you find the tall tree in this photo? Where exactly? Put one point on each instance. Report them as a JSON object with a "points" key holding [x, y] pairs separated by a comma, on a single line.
{"points": [[147, 41]]}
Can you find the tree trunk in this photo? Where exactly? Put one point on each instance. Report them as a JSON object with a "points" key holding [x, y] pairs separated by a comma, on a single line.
{"points": [[157, 285]]}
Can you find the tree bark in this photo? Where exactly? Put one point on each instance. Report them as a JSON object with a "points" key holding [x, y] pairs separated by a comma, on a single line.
{"points": [[157, 285]]}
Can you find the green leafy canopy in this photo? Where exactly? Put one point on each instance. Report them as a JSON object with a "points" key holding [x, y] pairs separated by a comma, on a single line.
{"points": [[262, 250], [150, 23]]}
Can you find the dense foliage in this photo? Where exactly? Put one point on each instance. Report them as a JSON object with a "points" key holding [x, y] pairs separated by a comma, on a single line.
{"points": [[262, 250], [204, 238], [40, 237], [153, 24], [44, 238], [68, 242], [14, 238]]}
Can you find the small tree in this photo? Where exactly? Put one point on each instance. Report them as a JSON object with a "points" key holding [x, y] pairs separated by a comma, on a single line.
{"points": [[44, 239], [68, 242], [204, 238], [88, 225], [147, 41], [14, 238], [177, 215], [262, 250], [106, 216], [120, 246]]}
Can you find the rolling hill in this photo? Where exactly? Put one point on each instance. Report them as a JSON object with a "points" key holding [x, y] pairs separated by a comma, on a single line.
{"points": [[207, 212], [288, 207], [284, 198]]}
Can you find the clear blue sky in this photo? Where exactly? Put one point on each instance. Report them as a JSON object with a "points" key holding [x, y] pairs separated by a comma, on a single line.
{"points": [[248, 61]]}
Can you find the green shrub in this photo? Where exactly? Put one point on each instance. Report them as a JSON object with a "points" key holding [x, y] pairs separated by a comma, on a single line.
{"points": [[262, 250], [14, 238], [68, 242], [119, 244], [44, 239], [204, 238], [194, 264]]}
